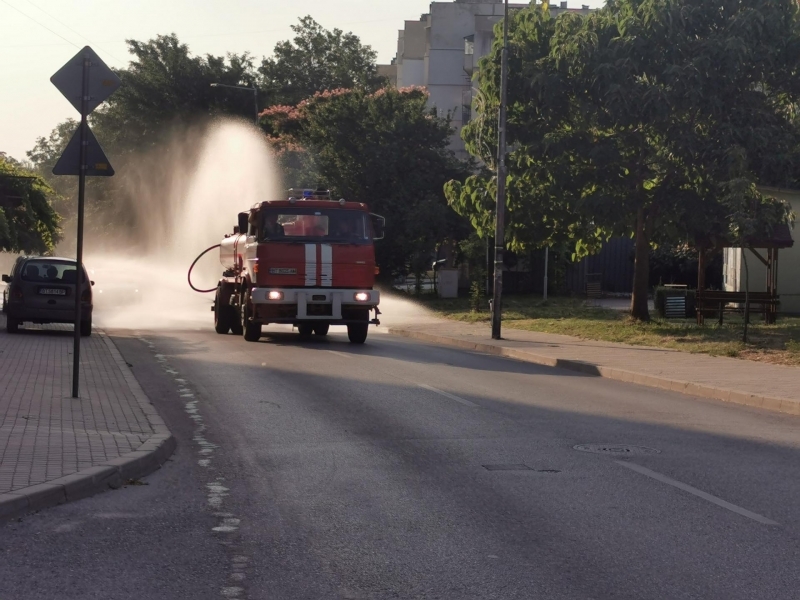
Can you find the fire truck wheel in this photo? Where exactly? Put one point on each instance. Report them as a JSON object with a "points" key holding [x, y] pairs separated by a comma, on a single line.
{"points": [[222, 316], [321, 329], [357, 332], [236, 323], [305, 329], [252, 331]]}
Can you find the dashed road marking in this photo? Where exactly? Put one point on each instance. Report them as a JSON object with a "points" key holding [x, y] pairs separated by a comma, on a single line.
{"points": [[430, 388], [695, 492]]}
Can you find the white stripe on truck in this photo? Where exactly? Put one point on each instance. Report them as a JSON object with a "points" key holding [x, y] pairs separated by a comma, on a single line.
{"points": [[326, 275], [311, 265]]}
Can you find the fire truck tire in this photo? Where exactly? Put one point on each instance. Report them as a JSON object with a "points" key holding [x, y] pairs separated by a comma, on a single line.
{"points": [[357, 332], [321, 329], [305, 329], [236, 324], [251, 331], [12, 325], [222, 316]]}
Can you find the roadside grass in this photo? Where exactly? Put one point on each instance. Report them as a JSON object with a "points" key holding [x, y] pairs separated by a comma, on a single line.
{"points": [[778, 344]]}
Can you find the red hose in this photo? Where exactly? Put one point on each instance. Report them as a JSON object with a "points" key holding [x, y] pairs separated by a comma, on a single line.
{"points": [[189, 275]]}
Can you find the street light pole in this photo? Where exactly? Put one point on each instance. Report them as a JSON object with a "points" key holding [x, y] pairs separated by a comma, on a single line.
{"points": [[499, 227], [253, 89]]}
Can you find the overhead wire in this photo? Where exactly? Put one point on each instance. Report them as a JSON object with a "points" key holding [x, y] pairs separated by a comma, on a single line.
{"points": [[72, 30], [39, 23]]}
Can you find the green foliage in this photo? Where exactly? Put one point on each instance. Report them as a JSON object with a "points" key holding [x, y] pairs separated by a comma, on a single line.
{"points": [[385, 149], [476, 297], [166, 94], [164, 85], [317, 60], [649, 118], [28, 222]]}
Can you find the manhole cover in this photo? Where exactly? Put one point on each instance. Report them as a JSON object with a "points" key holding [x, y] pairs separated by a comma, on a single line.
{"points": [[619, 449]]}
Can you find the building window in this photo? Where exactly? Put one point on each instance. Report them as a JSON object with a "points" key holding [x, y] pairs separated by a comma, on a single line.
{"points": [[469, 45]]}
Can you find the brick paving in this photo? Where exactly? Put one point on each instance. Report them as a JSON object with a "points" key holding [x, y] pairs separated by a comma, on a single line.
{"points": [[46, 434], [746, 382]]}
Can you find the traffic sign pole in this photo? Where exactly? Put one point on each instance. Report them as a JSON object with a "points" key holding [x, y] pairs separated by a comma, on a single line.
{"points": [[86, 81], [76, 344]]}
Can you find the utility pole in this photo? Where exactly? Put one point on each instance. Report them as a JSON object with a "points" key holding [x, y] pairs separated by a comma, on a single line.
{"points": [[499, 226]]}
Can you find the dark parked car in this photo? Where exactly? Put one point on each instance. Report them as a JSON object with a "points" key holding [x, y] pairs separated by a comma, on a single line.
{"points": [[42, 290]]}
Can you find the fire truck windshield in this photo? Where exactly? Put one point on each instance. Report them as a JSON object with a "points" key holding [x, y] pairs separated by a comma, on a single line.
{"points": [[319, 225]]}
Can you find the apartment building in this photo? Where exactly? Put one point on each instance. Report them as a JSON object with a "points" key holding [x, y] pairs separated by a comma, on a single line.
{"points": [[441, 50]]}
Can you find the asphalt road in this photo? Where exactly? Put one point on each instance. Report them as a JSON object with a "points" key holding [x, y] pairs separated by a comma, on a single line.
{"points": [[314, 469]]}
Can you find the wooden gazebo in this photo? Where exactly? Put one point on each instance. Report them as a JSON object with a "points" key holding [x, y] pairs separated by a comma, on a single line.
{"points": [[715, 301]]}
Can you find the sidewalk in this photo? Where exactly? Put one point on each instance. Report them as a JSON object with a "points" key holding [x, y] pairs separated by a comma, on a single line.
{"points": [[54, 448], [772, 387]]}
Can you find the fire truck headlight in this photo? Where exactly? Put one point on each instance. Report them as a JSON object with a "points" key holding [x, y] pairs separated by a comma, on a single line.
{"points": [[273, 295], [361, 297]]}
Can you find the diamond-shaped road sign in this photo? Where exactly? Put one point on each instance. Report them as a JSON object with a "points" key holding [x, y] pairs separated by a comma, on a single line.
{"points": [[97, 164], [102, 80]]}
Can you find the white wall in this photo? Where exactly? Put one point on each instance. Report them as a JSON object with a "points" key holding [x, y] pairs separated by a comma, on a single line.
{"points": [[788, 264], [413, 73]]}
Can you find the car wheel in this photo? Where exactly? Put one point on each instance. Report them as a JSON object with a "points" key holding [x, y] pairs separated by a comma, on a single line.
{"points": [[12, 325], [86, 327], [321, 329]]}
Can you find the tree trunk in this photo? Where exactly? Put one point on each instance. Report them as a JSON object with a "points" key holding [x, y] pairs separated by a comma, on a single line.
{"points": [[641, 269]]}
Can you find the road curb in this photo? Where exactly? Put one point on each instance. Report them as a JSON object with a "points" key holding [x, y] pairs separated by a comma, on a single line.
{"points": [[781, 405], [112, 474]]}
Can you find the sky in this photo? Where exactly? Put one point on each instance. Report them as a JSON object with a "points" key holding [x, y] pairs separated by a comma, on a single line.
{"points": [[38, 36]]}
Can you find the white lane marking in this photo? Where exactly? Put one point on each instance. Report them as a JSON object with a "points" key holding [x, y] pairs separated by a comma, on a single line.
{"points": [[446, 395], [342, 354], [694, 491]]}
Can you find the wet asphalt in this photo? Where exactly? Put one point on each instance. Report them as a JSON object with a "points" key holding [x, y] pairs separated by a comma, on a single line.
{"points": [[311, 469]]}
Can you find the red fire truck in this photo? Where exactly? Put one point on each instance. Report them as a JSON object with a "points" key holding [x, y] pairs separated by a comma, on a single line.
{"points": [[308, 261]]}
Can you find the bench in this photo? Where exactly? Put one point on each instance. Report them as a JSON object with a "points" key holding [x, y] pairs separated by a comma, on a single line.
{"points": [[709, 302]]}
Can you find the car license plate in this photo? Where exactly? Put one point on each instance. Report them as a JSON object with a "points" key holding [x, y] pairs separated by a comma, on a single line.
{"points": [[53, 292]]}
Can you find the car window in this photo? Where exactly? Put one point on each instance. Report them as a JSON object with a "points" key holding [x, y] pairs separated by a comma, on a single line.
{"points": [[40, 271]]}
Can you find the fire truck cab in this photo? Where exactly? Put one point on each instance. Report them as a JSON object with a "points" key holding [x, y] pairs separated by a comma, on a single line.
{"points": [[308, 261]]}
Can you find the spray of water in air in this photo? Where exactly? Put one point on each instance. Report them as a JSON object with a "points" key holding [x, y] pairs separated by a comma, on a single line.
{"points": [[175, 201], [184, 197]]}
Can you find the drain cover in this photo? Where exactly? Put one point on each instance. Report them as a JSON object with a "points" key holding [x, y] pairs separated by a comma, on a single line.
{"points": [[517, 467], [623, 449]]}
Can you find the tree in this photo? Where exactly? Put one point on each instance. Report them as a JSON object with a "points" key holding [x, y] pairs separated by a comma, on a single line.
{"points": [[386, 149], [317, 60], [164, 86], [28, 222], [636, 120]]}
